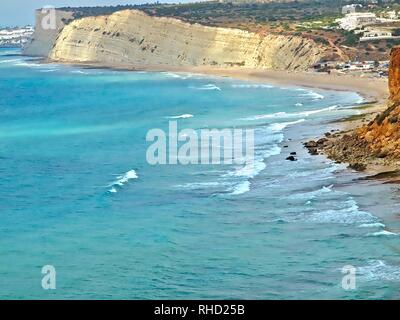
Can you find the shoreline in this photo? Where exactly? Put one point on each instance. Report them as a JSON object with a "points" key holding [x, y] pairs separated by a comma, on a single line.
{"points": [[374, 91]]}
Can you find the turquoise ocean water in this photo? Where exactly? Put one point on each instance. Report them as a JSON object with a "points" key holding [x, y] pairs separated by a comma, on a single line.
{"points": [[77, 193]]}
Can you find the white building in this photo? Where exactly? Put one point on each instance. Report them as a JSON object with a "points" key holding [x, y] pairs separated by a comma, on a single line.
{"points": [[354, 21], [17, 36], [371, 35], [350, 8], [392, 15]]}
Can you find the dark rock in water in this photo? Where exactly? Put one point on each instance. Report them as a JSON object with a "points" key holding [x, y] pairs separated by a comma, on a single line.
{"points": [[311, 144], [286, 146], [291, 158], [358, 166], [322, 141], [293, 153], [313, 151], [328, 134]]}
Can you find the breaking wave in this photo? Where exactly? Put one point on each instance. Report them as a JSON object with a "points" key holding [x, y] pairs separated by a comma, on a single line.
{"points": [[378, 270], [283, 115], [182, 116], [122, 180], [252, 86], [207, 87]]}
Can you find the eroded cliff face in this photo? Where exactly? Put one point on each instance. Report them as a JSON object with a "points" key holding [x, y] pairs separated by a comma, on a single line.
{"points": [[394, 76], [382, 136], [131, 37]]}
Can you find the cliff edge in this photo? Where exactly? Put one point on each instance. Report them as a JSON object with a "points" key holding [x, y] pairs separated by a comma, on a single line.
{"points": [[132, 38]]}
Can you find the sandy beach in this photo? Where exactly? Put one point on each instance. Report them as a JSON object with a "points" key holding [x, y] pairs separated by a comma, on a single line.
{"points": [[372, 89]]}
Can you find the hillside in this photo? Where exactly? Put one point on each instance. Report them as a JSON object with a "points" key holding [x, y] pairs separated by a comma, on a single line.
{"points": [[311, 19]]}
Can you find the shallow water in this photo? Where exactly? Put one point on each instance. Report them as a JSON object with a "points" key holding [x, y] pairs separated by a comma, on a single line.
{"points": [[76, 192]]}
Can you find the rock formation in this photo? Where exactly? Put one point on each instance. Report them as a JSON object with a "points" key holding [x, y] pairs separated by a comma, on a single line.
{"points": [[132, 38], [382, 136], [394, 75], [379, 141]]}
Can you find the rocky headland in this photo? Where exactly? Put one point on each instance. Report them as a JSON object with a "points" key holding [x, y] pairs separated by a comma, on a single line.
{"points": [[374, 145]]}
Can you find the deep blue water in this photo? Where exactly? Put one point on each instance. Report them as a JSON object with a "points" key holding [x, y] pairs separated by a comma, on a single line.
{"points": [[77, 193]]}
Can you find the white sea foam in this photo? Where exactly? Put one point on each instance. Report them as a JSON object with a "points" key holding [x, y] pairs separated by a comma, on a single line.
{"points": [[47, 70], [316, 96], [175, 75], [172, 75], [207, 87], [360, 100], [317, 174], [382, 233], [271, 136], [182, 116], [267, 140], [7, 53], [252, 86], [284, 115], [313, 194], [372, 225], [122, 180], [312, 94], [379, 270], [348, 214], [250, 170], [200, 185], [80, 72], [22, 63], [9, 61], [277, 127], [182, 76], [241, 188]]}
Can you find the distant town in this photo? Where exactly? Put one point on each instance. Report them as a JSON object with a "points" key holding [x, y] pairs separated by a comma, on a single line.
{"points": [[15, 37], [367, 26]]}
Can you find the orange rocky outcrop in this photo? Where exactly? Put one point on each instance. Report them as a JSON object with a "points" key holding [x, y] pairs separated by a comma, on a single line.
{"points": [[394, 75], [379, 141], [383, 134]]}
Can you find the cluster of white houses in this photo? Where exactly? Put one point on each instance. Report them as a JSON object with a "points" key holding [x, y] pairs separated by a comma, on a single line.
{"points": [[377, 68], [367, 24], [15, 36]]}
